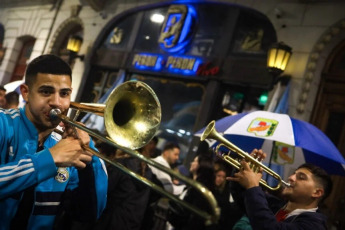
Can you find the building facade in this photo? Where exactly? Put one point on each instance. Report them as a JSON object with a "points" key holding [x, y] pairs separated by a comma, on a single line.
{"points": [[315, 30]]}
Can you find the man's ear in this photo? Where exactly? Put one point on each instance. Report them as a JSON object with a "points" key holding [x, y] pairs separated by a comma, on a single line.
{"points": [[24, 89], [318, 193]]}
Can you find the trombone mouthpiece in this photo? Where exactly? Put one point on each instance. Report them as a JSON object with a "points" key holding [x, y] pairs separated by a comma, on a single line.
{"points": [[286, 184], [53, 114]]}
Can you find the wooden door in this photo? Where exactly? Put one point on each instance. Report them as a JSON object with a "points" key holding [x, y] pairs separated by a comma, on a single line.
{"points": [[25, 53], [329, 116]]}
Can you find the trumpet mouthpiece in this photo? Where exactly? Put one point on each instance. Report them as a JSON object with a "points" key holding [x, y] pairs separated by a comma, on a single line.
{"points": [[53, 114]]}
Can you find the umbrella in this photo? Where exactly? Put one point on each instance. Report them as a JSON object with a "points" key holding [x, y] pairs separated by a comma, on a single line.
{"points": [[288, 142], [13, 86]]}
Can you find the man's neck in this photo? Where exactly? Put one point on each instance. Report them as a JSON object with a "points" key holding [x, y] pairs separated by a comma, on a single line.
{"points": [[42, 136], [291, 206]]}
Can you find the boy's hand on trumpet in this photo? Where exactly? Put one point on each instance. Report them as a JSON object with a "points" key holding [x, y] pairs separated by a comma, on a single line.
{"points": [[247, 177]]}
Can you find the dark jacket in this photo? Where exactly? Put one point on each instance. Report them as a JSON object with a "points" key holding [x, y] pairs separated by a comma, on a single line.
{"points": [[262, 218], [127, 198]]}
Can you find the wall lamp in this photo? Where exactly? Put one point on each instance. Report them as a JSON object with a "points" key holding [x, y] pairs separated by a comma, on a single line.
{"points": [[73, 46], [2, 53], [277, 59]]}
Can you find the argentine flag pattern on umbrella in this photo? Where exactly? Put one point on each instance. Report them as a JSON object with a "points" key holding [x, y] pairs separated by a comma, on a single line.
{"points": [[287, 141]]}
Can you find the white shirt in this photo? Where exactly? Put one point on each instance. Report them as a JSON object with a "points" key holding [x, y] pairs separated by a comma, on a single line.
{"points": [[299, 211], [165, 178]]}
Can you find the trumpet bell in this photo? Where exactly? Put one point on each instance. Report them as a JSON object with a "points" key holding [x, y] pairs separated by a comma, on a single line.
{"points": [[132, 114]]}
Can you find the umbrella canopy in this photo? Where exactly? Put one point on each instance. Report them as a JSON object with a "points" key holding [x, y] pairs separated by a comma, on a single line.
{"points": [[13, 86], [288, 142]]}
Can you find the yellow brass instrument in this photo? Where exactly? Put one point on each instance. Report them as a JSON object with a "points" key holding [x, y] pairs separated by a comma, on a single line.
{"points": [[211, 132], [132, 114]]}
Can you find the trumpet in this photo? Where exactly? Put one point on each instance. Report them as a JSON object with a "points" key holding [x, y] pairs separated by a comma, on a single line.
{"points": [[132, 114], [211, 132]]}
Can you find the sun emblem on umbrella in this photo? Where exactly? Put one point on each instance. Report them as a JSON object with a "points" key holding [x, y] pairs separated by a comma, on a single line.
{"points": [[262, 127]]}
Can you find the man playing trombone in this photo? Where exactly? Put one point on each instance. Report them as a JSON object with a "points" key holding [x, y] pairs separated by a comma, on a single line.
{"points": [[309, 185], [37, 169]]}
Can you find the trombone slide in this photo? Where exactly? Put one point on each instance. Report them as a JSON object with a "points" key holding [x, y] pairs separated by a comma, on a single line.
{"points": [[132, 114]]}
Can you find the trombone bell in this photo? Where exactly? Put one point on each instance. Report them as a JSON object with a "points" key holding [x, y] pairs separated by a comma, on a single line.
{"points": [[132, 114]]}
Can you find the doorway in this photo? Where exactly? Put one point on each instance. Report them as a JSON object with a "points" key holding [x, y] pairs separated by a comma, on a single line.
{"points": [[329, 116]]}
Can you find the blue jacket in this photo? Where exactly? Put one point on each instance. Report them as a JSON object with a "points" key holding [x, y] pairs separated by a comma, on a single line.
{"points": [[21, 167], [262, 218]]}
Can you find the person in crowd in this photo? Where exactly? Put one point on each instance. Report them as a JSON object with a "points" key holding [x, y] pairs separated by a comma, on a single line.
{"points": [[309, 185], [201, 170], [159, 206], [12, 100], [150, 149], [227, 196], [38, 167], [2, 96], [127, 197], [169, 156]]}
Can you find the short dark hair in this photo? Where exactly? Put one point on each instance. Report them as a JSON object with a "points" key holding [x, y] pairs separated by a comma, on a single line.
{"points": [[12, 98], [48, 64], [155, 139], [2, 88], [170, 145], [321, 176]]}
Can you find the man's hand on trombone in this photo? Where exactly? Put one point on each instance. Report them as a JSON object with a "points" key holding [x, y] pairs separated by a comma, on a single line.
{"points": [[70, 151], [247, 177]]}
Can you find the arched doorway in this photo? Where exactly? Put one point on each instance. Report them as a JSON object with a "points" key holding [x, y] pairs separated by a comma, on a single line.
{"points": [[329, 116], [70, 27], [27, 43]]}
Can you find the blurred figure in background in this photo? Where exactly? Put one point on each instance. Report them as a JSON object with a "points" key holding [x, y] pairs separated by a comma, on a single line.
{"points": [[228, 201], [202, 171], [2, 96], [150, 149], [12, 100], [127, 197], [169, 157]]}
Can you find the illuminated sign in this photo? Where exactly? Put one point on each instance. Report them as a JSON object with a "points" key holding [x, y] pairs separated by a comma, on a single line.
{"points": [[176, 64], [176, 31]]}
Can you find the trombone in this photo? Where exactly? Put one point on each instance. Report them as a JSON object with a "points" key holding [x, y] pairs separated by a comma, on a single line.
{"points": [[211, 132], [132, 114]]}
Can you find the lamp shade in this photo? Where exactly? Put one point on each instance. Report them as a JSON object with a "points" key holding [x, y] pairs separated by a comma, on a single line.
{"points": [[278, 57], [74, 43]]}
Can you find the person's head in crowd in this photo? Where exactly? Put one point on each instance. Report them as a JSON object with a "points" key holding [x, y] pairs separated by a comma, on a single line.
{"points": [[2, 96], [12, 100], [106, 149], [194, 165], [309, 184], [205, 170], [201, 163], [220, 180], [149, 149], [171, 153]]}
